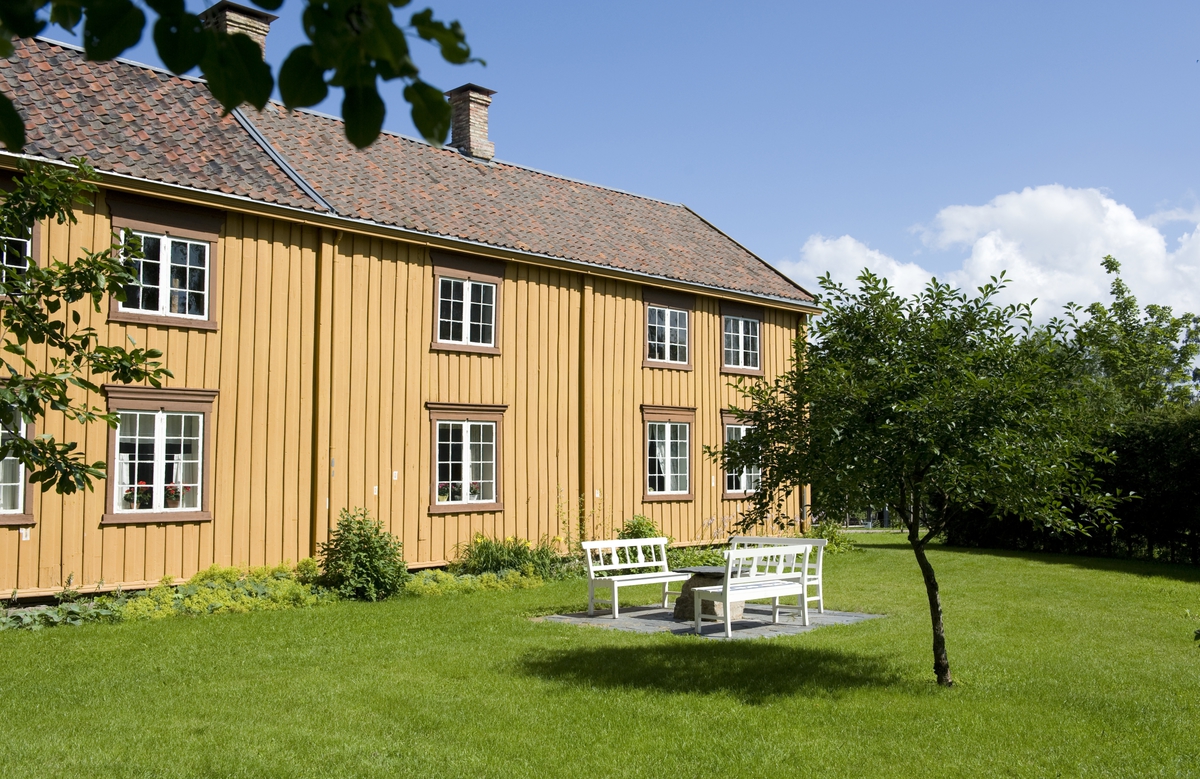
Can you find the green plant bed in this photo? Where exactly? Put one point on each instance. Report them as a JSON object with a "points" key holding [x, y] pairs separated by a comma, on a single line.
{"points": [[1064, 666]]}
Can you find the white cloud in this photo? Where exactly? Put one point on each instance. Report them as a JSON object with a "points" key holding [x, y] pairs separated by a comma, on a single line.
{"points": [[1049, 239], [843, 258]]}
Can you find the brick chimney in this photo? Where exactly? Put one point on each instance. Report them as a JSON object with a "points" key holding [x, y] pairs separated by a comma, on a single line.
{"points": [[469, 125], [233, 18]]}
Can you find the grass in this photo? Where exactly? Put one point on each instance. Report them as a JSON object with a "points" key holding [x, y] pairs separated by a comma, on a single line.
{"points": [[1065, 666]]}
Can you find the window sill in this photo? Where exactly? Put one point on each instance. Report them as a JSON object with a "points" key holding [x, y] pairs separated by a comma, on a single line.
{"points": [[465, 508], [161, 320], [438, 346], [670, 366], [737, 496], [17, 520], [735, 371], [155, 517], [659, 497]]}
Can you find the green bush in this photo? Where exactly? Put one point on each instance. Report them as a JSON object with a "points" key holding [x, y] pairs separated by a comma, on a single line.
{"points": [[362, 560], [220, 590], [639, 526], [435, 582], [838, 540], [485, 555], [689, 556]]}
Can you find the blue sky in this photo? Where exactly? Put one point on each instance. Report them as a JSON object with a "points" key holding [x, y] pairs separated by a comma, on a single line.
{"points": [[947, 138]]}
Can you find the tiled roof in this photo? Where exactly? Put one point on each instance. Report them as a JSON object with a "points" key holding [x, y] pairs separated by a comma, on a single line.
{"points": [[138, 121], [142, 122]]}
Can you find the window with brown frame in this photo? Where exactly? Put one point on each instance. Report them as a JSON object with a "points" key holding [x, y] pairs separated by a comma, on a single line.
{"points": [[667, 339], [16, 491], [465, 465], [466, 312], [667, 465], [176, 279], [159, 455], [741, 327], [741, 484]]}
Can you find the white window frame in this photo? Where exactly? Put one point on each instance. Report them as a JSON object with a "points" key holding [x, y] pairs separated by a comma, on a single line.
{"points": [[466, 463], [21, 482], [674, 321], [164, 276], [11, 246], [468, 305], [159, 467], [669, 433], [745, 331], [746, 475]]}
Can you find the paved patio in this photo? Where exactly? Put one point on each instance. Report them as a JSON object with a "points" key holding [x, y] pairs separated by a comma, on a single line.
{"points": [[755, 623]]}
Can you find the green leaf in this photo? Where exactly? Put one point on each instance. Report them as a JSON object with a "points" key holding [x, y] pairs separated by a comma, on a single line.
{"points": [[110, 27], [12, 126], [363, 111], [180, 41], [269, 5], [235, 71], [20, 19], [301, 79], [66, 13], [430, 111]]}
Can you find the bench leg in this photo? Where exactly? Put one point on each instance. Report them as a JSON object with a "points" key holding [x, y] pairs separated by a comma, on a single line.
{"points": [[728, 621], [696, 600], [616, 607], [821, 597], [774, 611], [804, 601], [665, 584]]}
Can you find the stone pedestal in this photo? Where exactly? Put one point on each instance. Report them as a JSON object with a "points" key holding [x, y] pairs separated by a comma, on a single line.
{"points": [[685, 604]]}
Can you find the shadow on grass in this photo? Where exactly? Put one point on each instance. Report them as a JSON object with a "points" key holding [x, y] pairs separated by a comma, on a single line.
{"points": [[754, 672], [1146, 568]]}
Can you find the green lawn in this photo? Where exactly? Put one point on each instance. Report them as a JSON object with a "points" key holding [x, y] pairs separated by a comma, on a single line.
{"points": [[1065, 666]]}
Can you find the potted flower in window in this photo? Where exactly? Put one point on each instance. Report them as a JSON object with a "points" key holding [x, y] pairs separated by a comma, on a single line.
{"points": [[173, 494], [476, 489], [142, 495]]}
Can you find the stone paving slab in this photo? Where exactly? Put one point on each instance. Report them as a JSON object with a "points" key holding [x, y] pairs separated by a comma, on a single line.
{"points": [[755, 623]]}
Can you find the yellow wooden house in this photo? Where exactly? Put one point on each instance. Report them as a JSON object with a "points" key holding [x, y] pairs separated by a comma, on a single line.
{"points": [[460, 345]]}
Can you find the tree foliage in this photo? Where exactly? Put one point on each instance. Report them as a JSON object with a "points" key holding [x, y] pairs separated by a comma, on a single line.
{"points": [[929, 405], [354, 44], [50, 359]]}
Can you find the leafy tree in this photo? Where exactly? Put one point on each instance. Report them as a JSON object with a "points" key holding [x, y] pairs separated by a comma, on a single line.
{"points": [[1148, 358], [931, 406], [36, 312], [353, 44]]}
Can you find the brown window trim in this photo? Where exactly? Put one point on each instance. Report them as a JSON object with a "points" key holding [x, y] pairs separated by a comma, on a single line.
{"points": [[194, 223], [138, 398], [727, 418], [685, 414], [665, 298], [473, 412], [463, 267], [24, 519], [730, 308]]}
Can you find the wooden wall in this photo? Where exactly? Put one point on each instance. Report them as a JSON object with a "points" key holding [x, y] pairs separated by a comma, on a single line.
{"points": [[323, 364]]}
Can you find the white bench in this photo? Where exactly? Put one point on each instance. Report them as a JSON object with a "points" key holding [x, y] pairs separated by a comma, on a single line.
{"points": [[772, 572], [813, 570], [646, 558]]}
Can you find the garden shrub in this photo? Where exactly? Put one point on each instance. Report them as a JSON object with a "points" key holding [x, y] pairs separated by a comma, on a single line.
{"points": [[362, 560], [485, 555], [220, 590], [836, 537], [437, 582], [689, 556], [639, 526]]}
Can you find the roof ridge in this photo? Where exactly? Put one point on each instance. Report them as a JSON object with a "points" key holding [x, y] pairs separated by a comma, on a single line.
{"points": [[279, 159], [122, 60], [517, 165]]}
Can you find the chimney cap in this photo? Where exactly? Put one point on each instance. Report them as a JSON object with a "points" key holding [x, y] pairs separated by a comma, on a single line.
{"points": [[253, 13], [465, 88]]}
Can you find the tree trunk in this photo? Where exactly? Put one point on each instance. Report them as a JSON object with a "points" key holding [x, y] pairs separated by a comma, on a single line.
{"points": [[941, 663]]}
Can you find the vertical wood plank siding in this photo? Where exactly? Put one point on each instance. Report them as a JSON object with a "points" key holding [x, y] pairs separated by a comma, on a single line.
{"points": [[323, 368]]}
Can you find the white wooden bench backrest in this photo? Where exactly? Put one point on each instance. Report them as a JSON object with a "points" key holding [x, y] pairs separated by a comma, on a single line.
{"points": [[743, 565], [813, 562], [644, 555]]}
